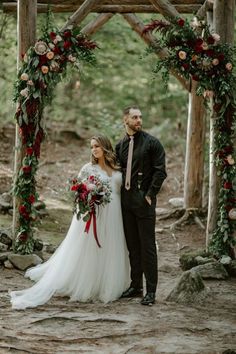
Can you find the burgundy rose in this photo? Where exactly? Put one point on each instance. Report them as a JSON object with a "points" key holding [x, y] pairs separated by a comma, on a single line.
{"points": [[52, 35], [195, 77], [31, 199], [198, 49], [56, 50], [185, 66], [67, 44], [23, 237], [227, 185], [221, 57], [75, 187], [210, 53], [180, 22], [210, 40], [198, 41], [42, 60], [22, 209], [228, 149], [29, 151], [67, 34], [26, 169]]}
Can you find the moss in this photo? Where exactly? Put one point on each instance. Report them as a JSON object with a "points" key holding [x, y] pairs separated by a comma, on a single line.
{"points": [[188, 260]]}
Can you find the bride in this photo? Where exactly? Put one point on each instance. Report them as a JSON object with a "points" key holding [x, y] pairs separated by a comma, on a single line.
{"points": [[80, 269]]}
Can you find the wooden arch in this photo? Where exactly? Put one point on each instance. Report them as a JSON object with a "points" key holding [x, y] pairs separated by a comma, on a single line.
{"points": [[218, 13]]}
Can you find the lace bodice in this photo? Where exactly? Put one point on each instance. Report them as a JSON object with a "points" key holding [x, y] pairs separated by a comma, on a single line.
{"points": [[115, 179]]}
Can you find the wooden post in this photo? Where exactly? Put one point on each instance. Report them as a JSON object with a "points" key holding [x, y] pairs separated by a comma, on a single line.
{"points": [[96, 24], [26, 34], [194, 158], [223, 24]]}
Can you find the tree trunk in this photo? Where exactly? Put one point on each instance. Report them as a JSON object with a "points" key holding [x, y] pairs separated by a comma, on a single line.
{"points": [[223, 24], [26, 34], [194, 159]]}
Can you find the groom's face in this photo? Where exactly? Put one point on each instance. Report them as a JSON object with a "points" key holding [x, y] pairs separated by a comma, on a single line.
{"points": [[133, 120]]}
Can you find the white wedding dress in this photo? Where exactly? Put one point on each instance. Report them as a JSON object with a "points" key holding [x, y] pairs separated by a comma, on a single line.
{"points": [[80, 269]]}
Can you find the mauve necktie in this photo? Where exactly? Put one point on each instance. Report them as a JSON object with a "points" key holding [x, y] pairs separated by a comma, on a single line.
{"points": [[129, 163]]}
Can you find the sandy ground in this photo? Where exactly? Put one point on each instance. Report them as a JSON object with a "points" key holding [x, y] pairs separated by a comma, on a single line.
{"points": [[123, 326]]}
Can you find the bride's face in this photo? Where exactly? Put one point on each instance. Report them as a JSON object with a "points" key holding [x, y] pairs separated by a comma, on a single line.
{"points": [[96, 149]]}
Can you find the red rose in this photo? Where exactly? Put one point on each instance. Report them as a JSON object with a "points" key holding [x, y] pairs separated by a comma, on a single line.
{"points": [[75, 187], [56, 50], [91, 178], [221, 57], [29, 151], [185, 66], [210, 40], [210, 52], [52, 35], [227, 185], [23, 237], [67, 34], [67, 44], [22, 209], [26, 169], [180, 22], [31, 199]]}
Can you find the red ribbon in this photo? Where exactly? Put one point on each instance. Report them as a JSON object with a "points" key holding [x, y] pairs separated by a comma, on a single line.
{"points": [[88, 224]]}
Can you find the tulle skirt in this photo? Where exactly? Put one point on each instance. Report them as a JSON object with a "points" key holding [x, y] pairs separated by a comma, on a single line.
{"points": [[80, 269]]}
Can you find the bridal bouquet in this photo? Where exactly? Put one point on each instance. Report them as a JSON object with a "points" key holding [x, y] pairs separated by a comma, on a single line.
{"points": [[87, 194]]}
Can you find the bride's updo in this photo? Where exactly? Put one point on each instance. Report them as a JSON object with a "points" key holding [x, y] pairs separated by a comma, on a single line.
{"points": [[109, 154]]}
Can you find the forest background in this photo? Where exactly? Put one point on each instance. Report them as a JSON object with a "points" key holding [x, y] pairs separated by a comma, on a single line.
{"points": [[94, 98]]}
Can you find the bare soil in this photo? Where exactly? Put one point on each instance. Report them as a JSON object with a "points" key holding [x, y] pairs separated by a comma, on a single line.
{"points": [[123, 326]]}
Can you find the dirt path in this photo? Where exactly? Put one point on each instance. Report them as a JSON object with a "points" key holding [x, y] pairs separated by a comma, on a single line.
{"points": [[124, 326]]}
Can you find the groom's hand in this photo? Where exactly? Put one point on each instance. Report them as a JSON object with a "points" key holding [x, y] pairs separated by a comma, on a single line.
{"points": [[148, 199]]}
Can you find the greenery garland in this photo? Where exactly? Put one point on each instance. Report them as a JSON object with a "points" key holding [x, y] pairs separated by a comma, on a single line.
{"points": [[44, 65], [196, 54]]}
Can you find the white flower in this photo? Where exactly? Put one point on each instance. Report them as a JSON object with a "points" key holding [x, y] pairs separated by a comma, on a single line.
{"points": [[208, 94], [204, 46], [40, 48], [216, 37], [30, 83], [54, 66], [58, 38], [51, 45], [25, 92], [230, 160], [24, 77], [215, 61], [229, 66], [71, 58], [182, 55]]}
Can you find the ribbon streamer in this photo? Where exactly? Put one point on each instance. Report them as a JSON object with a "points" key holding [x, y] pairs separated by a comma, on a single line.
{"points": [[92, 217]]}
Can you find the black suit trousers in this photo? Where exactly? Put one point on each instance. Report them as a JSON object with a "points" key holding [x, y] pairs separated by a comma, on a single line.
{"points": [[139, 226]]}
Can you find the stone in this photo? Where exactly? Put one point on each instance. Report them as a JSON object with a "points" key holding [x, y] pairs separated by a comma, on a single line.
{"points": [[189, 260], [25, 261], [214, 270], [5, 238], [225, 260], [3, 247], [189, 289], [8, 264], [177, 202]]}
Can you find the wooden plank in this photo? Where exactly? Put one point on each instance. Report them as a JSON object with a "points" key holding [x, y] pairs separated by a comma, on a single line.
{"points": [[165, 8], [80, 13], [112, 2], [207, 6], [96, 24], [26, 36], [42, 8]]}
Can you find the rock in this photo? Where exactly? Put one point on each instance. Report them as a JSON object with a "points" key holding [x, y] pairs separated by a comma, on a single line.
{"points": [[225, 260], [8, 264], [3, 247], [231, 268], [23, 262], [189, 289], [38, 244], [50, 248], [189, 260], [5, 238], [3, 257], [213, 270], [177, 202], [162, 211], [5, 202], [204, 260]]}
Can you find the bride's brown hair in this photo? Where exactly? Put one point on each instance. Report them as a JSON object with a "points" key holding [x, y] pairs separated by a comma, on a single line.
{"points": [[109, 155]]}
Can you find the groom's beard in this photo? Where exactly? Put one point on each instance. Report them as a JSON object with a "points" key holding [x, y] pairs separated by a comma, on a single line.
{"points": [[134, 127]]}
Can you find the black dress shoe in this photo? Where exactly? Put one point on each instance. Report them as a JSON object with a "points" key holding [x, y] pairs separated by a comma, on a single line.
{"points": [[149, 299], [132, 292]]}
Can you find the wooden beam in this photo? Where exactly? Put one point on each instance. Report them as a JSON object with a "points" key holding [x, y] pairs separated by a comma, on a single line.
{"points": [[26, 36], [42, 8], [112, 2], [137, 25], [207, 6], [80, 14], [96, 24], [165, 8]]}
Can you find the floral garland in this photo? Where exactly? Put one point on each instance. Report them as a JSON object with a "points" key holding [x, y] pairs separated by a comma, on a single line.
{"points": [[196, 54], [44, 65]]}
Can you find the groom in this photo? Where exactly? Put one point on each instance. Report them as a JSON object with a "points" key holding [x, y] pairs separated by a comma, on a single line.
{"points": [[142, 159]]}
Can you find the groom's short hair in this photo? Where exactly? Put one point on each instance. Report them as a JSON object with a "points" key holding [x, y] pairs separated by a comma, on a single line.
{"points": [[127, 109]]}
